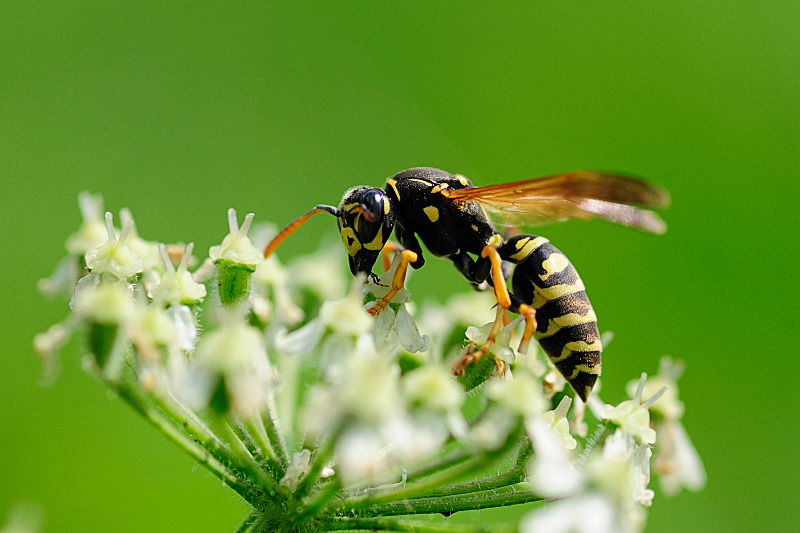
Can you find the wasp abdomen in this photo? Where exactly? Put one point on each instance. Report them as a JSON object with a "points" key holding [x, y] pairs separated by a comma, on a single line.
{"points": [[566, 323]]}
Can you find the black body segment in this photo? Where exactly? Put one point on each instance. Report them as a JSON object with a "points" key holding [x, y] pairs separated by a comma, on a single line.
{"points": [[566, 323], [446, 229]]}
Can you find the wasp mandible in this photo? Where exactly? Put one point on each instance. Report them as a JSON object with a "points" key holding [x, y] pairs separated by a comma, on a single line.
{"points": [[449, 215]]}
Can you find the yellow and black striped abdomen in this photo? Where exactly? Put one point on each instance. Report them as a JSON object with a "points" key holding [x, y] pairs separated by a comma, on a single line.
{"points": [[566, 326]]}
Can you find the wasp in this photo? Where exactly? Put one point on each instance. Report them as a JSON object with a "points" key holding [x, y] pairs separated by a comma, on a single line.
{"points": [[449, 215]]}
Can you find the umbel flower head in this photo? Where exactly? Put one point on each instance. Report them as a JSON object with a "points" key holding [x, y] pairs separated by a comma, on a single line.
{"points": [[322, 417]]}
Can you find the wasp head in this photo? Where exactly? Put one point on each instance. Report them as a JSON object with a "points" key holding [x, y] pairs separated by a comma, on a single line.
{"points": [[366, 220]]}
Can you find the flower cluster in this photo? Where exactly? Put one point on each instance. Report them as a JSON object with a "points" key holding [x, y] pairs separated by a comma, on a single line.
{"points": [[323, 417]]}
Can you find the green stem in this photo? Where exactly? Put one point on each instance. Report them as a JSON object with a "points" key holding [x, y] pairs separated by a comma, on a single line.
{"points": [[321, 458], [515, 475], [448, 505], [274, 437], [319, 501], [246, 461], [394, 524], [433, 481], [167, 427], [247, 523], [256, 431]]}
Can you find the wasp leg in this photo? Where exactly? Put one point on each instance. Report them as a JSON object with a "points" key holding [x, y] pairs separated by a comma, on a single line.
{"points": [[459, 367], [386, 253], [505, 300], [399, 278], [476, 272]]}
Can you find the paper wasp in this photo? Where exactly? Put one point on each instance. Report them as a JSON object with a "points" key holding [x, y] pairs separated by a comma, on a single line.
{"points": [[449, 215]]}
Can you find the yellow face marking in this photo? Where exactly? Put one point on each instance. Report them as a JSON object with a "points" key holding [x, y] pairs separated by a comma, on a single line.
{"points": [[474, 227], [462, 180], [432, 213], [349, 207], [386, 205], [553, 265], [528, 246], [393, 184], [350, 241], [377, 242]]}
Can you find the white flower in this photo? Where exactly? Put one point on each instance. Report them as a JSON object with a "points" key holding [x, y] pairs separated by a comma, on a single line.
{"points": [[115, 256], [177, 285], [347, 316], [150, 328], [432, 387], [407, 333], [92, 232], [668, 403], [235, 352], [63, 278], [559, 425], [297, 469], [633, 416], [103, 302], [370, 386], [185, 326], [590, 513], [361, 455], [551, 471], [299, 341], [321, 273], [677, 463], [384, 285], [147, 250], [521, 396], [236, 247], [501, 348]]}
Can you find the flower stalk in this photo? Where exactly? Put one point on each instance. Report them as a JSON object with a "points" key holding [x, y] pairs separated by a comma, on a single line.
{"points": [[324, 418]]}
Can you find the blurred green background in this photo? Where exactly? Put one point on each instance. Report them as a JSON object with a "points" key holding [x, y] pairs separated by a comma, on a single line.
{"points": [[180, 110]]}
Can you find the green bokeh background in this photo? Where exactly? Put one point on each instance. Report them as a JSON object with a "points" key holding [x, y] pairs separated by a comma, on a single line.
{"points": [[181, 110]]}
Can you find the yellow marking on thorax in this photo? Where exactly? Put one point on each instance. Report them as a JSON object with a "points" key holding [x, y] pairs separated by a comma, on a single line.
{"points": [[418, 180], [553, 265], [462, 180], [496, 240], [563, 321], [474, 227], [544, 295], [431, 212], [350, 241], [377, 243], [393, 184], [527, 246], [439, 188]]}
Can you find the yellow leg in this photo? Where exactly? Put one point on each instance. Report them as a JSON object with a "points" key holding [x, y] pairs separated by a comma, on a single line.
{"points": [[529, 313], [461, 364], [503, 303], [399, 278]]}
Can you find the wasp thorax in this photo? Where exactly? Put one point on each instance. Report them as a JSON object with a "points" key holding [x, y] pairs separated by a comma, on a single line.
{"points": [[366, 220]]}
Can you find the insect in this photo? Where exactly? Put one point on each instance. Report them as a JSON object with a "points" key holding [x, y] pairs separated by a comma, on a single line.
{"points": [[449, 215]]}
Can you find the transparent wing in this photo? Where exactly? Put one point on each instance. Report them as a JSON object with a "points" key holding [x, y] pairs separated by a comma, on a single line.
{"points": [[580, 194]]}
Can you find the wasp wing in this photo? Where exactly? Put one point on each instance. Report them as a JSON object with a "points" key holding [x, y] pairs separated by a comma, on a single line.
{"points": [[579, 194]]}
